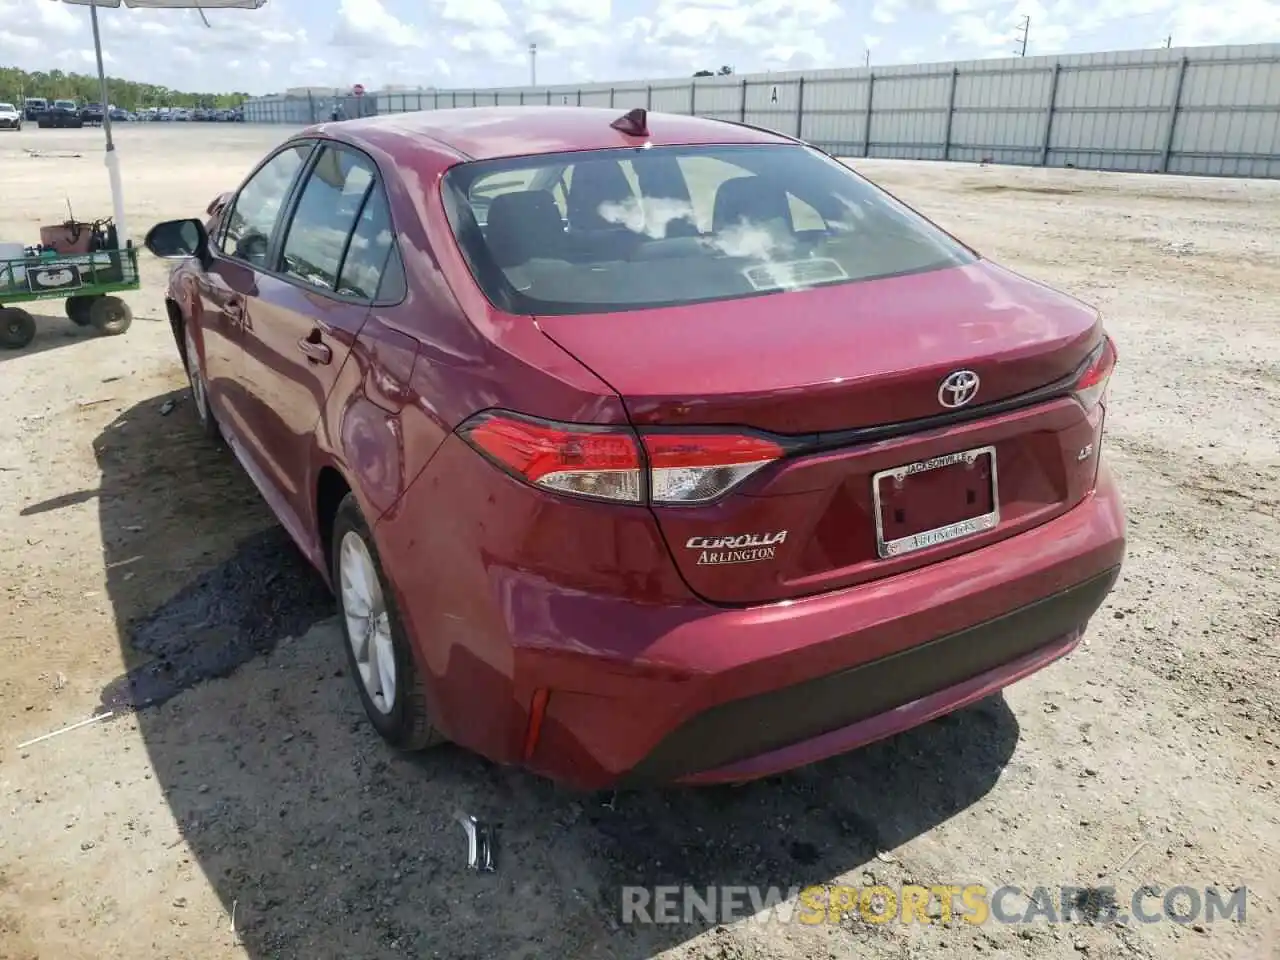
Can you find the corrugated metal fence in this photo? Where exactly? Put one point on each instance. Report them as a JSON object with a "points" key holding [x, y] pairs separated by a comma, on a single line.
{"points": [[1205, 110]]}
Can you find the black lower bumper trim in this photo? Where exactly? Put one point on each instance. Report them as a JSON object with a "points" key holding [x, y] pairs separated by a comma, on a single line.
{"points": [[739, 729]]}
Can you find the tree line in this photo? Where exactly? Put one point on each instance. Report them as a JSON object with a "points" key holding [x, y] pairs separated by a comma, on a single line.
{"points": [[16, 84]]}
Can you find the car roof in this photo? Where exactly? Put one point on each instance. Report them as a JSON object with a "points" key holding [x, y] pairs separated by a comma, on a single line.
{"points": [[482, 133]]}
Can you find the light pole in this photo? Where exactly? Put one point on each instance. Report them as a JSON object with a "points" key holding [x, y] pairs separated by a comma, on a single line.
{"points": [[533, 64]]}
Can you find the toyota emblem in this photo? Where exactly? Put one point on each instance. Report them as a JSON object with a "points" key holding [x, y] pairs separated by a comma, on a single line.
{"points": [[958, 388]]}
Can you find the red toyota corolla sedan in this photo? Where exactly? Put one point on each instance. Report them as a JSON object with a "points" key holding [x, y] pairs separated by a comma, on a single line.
{"points": [[647, 448]]}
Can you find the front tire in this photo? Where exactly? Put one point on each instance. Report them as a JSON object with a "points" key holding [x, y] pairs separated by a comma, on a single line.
{"points": [[378, 652]]}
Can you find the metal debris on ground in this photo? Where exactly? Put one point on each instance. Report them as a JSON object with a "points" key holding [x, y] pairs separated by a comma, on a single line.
{"points": [[480, 837], [74, 726], [51, 155], [166, 408]]}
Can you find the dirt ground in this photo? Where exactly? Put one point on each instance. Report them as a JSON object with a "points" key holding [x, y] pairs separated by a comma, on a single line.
{"points": [[256, 815]]}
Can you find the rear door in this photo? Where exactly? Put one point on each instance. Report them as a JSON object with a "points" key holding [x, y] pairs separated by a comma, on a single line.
{"points": [[306, 317]]}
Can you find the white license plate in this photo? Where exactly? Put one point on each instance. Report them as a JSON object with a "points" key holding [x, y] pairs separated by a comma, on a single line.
{"points": [[941, 534]]}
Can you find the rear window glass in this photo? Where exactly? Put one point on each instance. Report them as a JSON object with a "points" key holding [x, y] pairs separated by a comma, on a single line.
{"points": [[614, 230]]}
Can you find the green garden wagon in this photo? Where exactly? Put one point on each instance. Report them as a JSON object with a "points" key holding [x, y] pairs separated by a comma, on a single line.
{"points": [[87, 282]]}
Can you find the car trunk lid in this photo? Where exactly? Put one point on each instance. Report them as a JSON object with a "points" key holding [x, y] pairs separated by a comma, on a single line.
{"points": [[880, 474]]}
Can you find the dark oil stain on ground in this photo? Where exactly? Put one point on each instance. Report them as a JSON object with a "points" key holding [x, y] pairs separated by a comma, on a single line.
{"points": [[240, 610]]}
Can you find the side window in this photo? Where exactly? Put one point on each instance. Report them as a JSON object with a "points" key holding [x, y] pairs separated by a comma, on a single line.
{"points": [[371, 244], [804, 216], [704, 176], [392, 288], [252, 219], [326, 212]]}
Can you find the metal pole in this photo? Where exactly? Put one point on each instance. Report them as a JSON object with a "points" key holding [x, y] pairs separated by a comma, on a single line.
{"points": [[693, 98], [742, 107], [533, 64], [1048, 118], [1173, 116], [866, 134], [951, 112], [112, 161], [800, 111], [648, 97]]}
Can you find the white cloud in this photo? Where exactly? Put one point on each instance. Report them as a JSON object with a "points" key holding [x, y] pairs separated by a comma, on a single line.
{"points": [[484, 43]]}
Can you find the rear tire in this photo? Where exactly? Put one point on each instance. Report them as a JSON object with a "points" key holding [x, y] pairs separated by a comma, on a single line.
{"points": [[110, 315], [17, 328], [199, 389], [370, 623]]}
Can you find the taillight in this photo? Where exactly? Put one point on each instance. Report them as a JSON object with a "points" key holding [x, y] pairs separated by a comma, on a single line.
{"points": [[1091, 388], [697, 467], [606, 463], [598, 462]]}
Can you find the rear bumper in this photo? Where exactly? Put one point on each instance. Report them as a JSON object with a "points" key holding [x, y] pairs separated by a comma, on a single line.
{"points": [[741, 694], [845, 710], [598, 691]]}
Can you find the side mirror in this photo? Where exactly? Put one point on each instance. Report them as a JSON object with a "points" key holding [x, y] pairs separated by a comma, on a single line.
{"points": [[178, 240]]}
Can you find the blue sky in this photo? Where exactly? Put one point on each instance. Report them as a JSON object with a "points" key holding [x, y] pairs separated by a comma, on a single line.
{"points": [[466, 43]]}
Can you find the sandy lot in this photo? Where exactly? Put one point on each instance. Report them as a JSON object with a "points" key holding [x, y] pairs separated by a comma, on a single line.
{"points": [[254, 814]]}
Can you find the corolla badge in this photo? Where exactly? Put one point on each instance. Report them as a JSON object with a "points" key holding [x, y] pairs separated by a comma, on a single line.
{"points": [[958, 388], [740, 548]]}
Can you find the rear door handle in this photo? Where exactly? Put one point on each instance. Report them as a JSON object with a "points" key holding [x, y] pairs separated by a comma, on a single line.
{"points": [[314, 349]]}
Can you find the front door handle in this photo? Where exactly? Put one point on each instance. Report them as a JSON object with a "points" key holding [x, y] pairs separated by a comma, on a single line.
{"points": [[315, 350]]}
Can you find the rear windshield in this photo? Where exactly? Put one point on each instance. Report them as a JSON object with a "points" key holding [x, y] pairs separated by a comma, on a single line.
{"points": [[64, 103], [612, 230]]}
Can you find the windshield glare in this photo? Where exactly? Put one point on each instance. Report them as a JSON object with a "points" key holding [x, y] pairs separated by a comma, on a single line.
{"points": [[628, 229]]}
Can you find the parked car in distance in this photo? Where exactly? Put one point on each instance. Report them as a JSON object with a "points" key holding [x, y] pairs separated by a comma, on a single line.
{"points": [[647, 448], [163, 113], [91, 113], [61, 113], [32, 107], [121, 115], [10, 118]]}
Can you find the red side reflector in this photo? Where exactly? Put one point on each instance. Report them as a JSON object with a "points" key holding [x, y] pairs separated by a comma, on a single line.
{"points": [[537, 712]]}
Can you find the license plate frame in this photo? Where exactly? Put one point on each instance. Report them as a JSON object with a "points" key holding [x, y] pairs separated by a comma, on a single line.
{"points": [[947, 533]]}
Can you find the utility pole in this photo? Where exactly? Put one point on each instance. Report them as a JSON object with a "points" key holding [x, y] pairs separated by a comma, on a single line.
{"points": [[533, 64], [868, 61], [1026, 30], [1168, 41]]}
